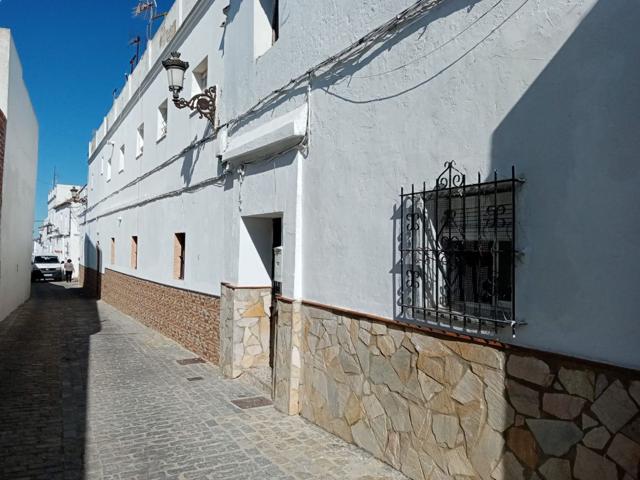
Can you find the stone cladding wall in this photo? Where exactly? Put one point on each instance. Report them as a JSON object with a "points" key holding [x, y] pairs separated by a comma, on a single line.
{"points": [[288, 360], [189, 318], [245, 321], [436, 407]]}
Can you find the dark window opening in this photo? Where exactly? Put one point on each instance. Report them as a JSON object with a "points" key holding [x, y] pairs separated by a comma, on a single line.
{"points": [[457, 253], [178, 256], [275, 21], [46, 259], [134, 252]]}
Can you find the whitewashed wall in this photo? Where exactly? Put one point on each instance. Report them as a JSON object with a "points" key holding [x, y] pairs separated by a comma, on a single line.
{"points": [[63, 236], [18, 189], [197, 213], [550, 87]]}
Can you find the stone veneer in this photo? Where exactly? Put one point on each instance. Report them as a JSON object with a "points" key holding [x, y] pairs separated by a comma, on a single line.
{"points": [[288, 359], [245, 322], [190, 318], [436, 407]]}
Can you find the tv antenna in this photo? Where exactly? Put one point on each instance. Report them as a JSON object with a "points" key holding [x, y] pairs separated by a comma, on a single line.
{"points": [[134, 60], [148, 9]]}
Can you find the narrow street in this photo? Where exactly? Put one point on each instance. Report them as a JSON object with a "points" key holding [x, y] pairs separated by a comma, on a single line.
{"points": [[87, 392]]}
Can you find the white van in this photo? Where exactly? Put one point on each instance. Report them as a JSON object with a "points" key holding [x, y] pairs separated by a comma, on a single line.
{"points": [[46, 267]]}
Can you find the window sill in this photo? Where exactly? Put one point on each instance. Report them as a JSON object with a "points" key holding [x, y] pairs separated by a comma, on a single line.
{"points": [[120, 171], [161, 138], [139, 155]]}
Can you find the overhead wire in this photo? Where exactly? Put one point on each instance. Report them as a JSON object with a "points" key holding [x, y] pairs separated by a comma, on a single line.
{"points": [[402, 20]]}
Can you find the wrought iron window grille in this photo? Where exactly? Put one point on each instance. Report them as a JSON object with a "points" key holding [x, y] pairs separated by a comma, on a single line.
{"points": [[458, 253]]}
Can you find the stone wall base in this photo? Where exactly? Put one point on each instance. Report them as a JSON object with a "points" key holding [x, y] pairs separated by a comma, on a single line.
{"points": [[245, 324], [438, 408], [189, 318], [288, 357]]}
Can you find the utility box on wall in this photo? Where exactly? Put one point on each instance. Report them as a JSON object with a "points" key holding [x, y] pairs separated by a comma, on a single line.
{"points": [[277, 264]]}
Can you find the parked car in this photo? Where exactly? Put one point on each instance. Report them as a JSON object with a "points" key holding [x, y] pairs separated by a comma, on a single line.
{"points": [[46, 267]]}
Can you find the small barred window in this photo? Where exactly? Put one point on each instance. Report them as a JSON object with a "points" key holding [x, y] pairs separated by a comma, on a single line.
{"points": [[458, 253]]}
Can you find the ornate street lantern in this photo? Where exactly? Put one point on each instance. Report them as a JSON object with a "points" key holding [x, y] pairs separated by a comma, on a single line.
{"points": [[204, 103]]}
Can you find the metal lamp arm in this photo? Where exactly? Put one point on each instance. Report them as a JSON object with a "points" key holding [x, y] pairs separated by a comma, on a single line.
{"points": [[204, 103]]}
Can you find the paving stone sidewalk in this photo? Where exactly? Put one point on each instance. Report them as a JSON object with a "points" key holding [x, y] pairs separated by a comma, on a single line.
{"points": [[87, 392]]}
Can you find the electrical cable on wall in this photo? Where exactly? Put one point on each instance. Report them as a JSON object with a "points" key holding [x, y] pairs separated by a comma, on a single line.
{"points": [[360, 46]]}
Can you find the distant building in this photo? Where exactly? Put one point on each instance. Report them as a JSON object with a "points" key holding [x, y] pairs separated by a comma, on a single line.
{"points": [[351, 236], [18, 167], [59, 232]]}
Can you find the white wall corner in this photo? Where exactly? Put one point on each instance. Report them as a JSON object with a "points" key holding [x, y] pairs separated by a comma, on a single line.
{"points": [[298, 265]]}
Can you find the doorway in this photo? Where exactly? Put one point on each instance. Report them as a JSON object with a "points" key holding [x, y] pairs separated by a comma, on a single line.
{"points": [[276, 287], [260, 270]]}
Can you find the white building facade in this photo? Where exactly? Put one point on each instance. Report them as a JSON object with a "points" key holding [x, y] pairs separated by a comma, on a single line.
{"points": [[454, 331], [59, 233], [18, 167]]}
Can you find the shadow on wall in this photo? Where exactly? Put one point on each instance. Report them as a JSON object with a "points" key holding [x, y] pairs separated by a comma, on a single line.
{"points": [[44, 357], [92, 269], [574, 137], [363, 56], [193, 155]]}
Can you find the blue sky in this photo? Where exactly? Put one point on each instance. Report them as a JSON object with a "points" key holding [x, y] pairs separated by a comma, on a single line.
{"points": [[74, 54]]}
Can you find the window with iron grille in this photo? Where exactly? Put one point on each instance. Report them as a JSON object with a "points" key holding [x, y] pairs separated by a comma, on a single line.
{"points": [[458, 253]]}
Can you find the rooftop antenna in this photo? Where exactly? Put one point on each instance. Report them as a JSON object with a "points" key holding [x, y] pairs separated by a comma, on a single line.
{"points": [[55, 177], [148, 9], [134, 60]]}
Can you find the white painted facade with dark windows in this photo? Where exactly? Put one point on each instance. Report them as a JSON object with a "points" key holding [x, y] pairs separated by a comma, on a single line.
{"points": [[317, 133], [59, 233]]}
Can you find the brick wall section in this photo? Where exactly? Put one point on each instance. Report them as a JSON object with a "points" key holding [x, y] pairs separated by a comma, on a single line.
{"points": [[189, 318], [90, 280], [3, 136]]}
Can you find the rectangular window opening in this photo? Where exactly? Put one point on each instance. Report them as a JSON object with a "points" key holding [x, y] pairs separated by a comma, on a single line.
{"points": [[178, 256], [199, 75], [113, 251], [140, 141], [266, 25], [134, 252], [162, 120], [109, 169], [275, 21], [121, 160]]}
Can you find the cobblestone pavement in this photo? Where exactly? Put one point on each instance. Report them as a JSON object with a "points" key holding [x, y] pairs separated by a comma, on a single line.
{"points": [[87, 392]]}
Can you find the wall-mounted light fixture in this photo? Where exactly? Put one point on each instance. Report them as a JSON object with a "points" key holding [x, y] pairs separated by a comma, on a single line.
{"points": [[204, 103]]}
